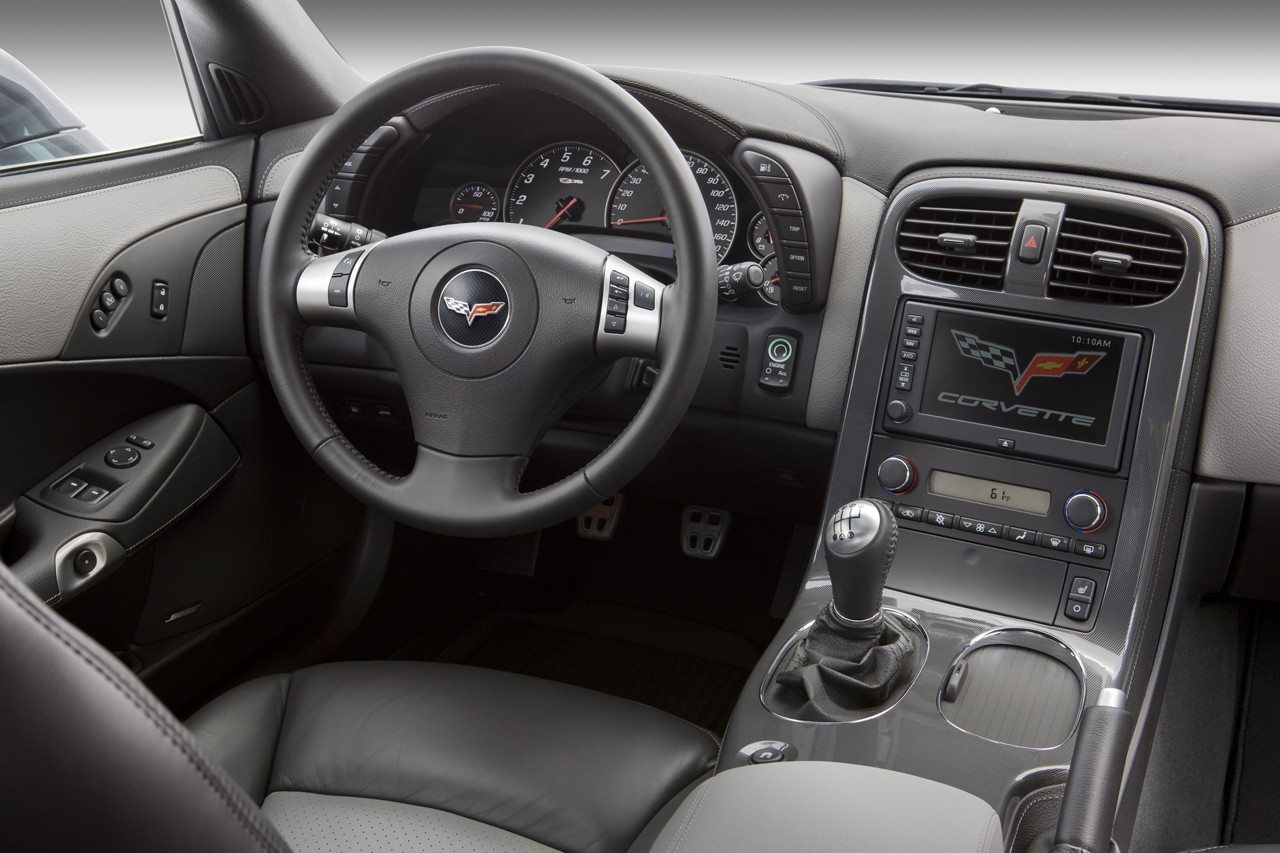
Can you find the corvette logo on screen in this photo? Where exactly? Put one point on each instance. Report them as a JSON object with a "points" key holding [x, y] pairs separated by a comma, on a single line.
{"points": [[1003, 358], [471, 312]]}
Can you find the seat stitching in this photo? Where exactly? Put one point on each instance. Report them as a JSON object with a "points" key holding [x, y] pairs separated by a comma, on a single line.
{"points": [[986, 836], [275, 748], [139, 702], [701, 796], [1025, 806]]}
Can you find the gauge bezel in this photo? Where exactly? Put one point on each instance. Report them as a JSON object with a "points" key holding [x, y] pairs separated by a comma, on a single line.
{"points": [[524, 161], [453, 201], [724, 173]]}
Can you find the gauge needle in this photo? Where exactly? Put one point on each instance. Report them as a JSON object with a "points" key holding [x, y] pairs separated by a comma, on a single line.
{"points": [[473, 206], [568, 205], [662, 218]]}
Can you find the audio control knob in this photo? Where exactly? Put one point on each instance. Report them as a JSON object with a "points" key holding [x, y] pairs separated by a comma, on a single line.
{"points": [[897, 474], [1085, 511], [898, 411]]}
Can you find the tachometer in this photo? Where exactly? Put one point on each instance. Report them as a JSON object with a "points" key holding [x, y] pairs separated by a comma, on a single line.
{"points": [[636, 205], [561, 185], [474, 203]]}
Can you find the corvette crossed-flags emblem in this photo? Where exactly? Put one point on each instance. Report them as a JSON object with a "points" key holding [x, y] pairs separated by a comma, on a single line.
{"points": [[471, 312], [1003, 358]]}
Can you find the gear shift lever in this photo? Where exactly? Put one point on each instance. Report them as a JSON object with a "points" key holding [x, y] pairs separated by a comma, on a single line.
{"points": [[855, 658], [860, 540]]}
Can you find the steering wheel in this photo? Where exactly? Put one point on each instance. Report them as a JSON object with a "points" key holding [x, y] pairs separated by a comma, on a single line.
{"points": [[493, 328]]}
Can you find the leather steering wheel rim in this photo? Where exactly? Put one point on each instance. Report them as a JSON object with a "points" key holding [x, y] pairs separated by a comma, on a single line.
{"points": [[465, 481]]}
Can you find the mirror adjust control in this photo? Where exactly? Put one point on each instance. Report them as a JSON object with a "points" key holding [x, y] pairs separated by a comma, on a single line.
{"points": [[123, 457], [780, 353]]}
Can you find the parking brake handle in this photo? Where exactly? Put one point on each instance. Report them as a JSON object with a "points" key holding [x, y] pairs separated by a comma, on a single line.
{"points": [[1089, 804]]}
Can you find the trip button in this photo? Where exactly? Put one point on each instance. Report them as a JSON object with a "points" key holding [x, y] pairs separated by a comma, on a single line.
{"points": [[1096, 550], [1054, 542], [790, 227]]}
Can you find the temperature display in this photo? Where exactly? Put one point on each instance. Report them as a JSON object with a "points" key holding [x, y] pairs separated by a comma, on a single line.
{"points": [[989, 492]]}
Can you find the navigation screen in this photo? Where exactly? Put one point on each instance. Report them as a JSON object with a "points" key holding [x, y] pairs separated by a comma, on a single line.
{"points": [[1045, 378]]}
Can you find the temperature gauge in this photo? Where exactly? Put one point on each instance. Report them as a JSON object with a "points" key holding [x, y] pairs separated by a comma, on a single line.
{"points": [[474, 203]]}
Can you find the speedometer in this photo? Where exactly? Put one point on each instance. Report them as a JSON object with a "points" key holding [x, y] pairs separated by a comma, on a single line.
{"points": [[561, 185], [636, 205]]}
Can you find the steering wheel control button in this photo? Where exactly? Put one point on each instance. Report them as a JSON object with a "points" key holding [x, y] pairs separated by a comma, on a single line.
{"points": [[615, 325], [767, 755], [473, 308], [92, 494], [764, 168], [1095, 550], [645, 297], [342, 198], [70, 486], [617, 307], [898, 411], [897, 475], [1054, 542], [140, 442], [84, 561], [123, 457], [1031, 246], [159, 300], [1085, 511], [776, 373]]}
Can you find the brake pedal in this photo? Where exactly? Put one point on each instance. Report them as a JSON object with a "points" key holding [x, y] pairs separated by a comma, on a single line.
{"points": [[703, 530], [601, 520]]}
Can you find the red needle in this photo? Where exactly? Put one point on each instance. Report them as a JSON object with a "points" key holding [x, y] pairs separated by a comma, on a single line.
{"points": [[561, 212], [662, 218], [473, 206]]}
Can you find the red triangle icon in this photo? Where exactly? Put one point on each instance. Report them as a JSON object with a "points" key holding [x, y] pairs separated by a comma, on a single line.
{"points": [[1031, 242]]}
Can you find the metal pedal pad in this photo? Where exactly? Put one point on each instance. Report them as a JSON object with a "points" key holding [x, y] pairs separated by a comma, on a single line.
{"points": [[702, 531], [601, 520]]}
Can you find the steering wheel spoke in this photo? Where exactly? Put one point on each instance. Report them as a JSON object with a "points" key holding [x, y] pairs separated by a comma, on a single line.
{"points": [[325, 291], [631, 306]]}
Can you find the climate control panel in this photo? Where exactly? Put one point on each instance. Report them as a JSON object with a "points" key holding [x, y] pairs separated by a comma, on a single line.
{"points": [[1015, 504]]}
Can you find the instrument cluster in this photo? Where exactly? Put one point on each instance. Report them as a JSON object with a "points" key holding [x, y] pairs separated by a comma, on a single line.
{"points": [[577, 187]]}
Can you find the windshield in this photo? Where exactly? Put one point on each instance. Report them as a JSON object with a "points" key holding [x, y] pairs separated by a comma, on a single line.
{"points": [[1223, 51]]}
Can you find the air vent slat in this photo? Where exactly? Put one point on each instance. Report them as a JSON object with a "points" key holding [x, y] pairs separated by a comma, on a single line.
{"points": [[1153, 258], [975, 236], [241, 98]]}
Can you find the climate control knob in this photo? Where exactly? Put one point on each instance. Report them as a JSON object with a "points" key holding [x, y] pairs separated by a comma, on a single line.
{"points": [[1085, 511], [897, 474]]}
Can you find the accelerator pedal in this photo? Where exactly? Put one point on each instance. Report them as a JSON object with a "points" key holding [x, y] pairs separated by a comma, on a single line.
{"points": [[601, 520]]}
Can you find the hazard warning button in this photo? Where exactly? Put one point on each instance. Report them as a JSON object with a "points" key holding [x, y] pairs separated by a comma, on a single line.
{"points": [[1031, 246]]}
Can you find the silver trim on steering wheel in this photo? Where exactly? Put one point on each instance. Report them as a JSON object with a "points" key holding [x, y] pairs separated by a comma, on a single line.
{"points": [[642, 324], [312, 292]]}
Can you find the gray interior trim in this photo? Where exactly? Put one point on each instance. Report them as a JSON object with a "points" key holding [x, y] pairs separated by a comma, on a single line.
{"points": [[320, 822], [825, 806], [275, 177], [1240, 435], [61, 244], [861, 210]]}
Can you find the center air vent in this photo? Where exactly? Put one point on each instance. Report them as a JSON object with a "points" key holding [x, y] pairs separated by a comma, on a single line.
{"points": [[1103, 256], [958, 240]]}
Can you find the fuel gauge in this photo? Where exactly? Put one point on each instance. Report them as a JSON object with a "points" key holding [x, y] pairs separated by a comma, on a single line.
{"points": [[761, 237], [474, 203]]}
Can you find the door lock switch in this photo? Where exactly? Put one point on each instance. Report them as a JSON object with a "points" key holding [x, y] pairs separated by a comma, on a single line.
{"points": [[779, 361]]}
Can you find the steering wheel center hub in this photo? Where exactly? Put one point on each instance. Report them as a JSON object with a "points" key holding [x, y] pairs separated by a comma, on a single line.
{"points": [[474, 308]]}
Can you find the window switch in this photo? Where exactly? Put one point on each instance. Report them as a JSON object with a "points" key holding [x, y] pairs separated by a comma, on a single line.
{"points": [[159, 300], [70, 486], [93, 494]]}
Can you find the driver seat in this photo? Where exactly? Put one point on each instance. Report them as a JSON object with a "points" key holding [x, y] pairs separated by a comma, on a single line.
{"points": [[371, 756]]}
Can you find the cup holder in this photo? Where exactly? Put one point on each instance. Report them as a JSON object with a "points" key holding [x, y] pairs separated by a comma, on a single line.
{"points": [[1015, 686]]}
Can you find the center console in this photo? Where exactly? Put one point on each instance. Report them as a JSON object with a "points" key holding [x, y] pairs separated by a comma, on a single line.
{"points": [[1020, 399]]}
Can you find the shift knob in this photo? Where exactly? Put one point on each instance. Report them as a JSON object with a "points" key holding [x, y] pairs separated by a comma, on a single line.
{"points": [[860, 540]]}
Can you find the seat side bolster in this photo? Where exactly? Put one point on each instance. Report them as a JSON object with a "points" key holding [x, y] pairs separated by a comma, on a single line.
{"points": [[241, 729]]}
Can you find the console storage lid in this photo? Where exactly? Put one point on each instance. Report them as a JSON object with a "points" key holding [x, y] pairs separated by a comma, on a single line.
{"points": [[821, 806]]}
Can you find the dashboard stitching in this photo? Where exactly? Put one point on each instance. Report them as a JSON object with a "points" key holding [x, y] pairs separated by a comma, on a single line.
{"points": [[440, 99], [735, 132], [826, 123], [266, 175], [40, 201], [1242, 224]]}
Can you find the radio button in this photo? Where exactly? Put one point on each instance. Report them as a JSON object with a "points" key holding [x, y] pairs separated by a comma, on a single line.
{"points": [[1006, 443], [908, 355], [1096, 550], [1020, 535], [908, 513], [939, 519], [898, 411], [1054, 542], [913, 331], [911, 343], [915, 319], [906, 372]]}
